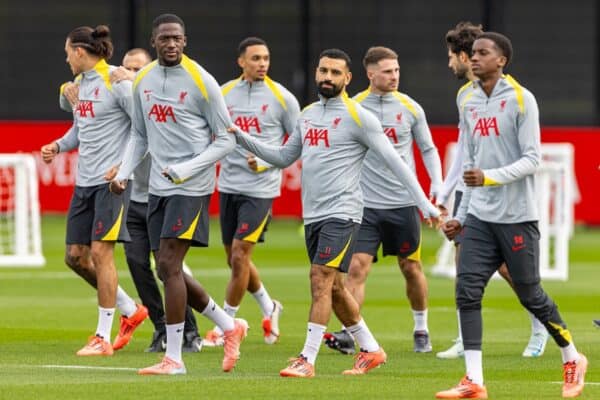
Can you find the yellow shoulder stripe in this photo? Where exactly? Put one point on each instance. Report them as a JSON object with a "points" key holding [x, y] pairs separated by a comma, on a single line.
{"points": [[463, 88], [467, 97], [351, 106], [362, 95], [405, 102], [227, 88], [143, 73], [190, 231], [191, 69], [276, 92], [308, 106], [103, 69], [518, 91], [62, 88]]}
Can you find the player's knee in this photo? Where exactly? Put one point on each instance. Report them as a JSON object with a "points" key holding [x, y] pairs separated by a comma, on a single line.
{"points": [[74, 258], [166, 269], [239, 259], [531, 296], [468, 297], [410, 269]]}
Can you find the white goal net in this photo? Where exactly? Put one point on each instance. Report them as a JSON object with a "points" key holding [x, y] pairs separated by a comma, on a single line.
{"points": [[556, 190], [20, 236]]}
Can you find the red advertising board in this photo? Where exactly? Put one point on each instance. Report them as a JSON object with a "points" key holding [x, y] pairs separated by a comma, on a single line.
{"points": [[57, 179]]}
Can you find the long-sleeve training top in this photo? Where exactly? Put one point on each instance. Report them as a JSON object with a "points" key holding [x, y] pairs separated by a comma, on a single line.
{"points": [[332, 137], [502, 137]]}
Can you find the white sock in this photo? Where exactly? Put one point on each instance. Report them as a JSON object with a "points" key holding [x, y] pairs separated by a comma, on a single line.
{"points": [[459, 330], [105, 320], [363, 337], [314, 336], [536, 325], [230, 310], [174, 341], [218, 316], [264, 301], [420, 318], [474, 366], [569, 353], [125, 304]]}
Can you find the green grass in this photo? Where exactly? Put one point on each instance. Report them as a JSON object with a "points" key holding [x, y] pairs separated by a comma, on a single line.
{"points": [[47, 314]]}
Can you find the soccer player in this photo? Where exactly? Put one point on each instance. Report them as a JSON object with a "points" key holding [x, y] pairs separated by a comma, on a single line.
{"points": [[181, 119], [332, 137], [267, 111], [390, 216], [498, 211], [459, 42], [137, 251], [102, 120]]}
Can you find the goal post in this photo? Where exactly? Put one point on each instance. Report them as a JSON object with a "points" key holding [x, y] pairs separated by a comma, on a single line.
{"points": [[20, 231], [556, 194]]}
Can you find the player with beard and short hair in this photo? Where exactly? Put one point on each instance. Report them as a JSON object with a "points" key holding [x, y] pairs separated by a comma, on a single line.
{"points": [[332, 137]]}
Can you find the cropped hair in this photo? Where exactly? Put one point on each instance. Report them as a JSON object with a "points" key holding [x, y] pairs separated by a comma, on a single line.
{"points": [[250, 41], [461, 38], [336, 54], [378, 53], [95, 41], [167, 19]]}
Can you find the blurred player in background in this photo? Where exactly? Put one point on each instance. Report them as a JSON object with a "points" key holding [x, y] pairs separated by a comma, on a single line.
{"points": [[391, 217], [247, 185]]}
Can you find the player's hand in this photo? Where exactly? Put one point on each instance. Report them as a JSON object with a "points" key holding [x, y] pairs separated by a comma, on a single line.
{"points": [[166, 174], [71, 93], [121, 74], [117, 187], [112, 172], [443, 210], [433, 222], [473, 177], [451, 229], [49, 151], [233, 129], [252, 163]]}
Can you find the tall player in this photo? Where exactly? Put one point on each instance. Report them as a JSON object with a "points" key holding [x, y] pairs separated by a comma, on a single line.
{"points": [[137, 251], [332, 137], [499, 212], [101, 120], [390, 217], [459, 42], [267, 111], [180, 118]]}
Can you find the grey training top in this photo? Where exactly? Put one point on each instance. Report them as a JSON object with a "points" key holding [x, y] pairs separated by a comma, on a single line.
{"points": [[332, 137], [502, 137], [266, 111], [403, 120], [101, 124], [180, 117]]}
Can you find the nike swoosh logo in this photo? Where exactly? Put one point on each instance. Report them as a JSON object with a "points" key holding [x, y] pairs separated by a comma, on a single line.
{"points": [[517, 248]]}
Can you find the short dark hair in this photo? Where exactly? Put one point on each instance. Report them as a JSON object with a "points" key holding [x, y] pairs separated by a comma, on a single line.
{"points": [[250, 41], [501, 42], [378, 53], [139, 50], [461, 38], [95, 41], [167, 19], [337, 54]]}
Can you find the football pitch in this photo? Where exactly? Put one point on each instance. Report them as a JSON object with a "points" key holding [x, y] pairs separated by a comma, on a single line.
{"points": [[47, 315]]}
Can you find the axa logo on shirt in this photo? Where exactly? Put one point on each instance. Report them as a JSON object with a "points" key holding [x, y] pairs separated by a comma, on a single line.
{"points": [[161, 113], [390, 132], [245, 123], [314, 135], [485, 125], [84, 107]]}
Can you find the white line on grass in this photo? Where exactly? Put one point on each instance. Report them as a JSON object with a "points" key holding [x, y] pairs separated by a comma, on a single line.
{"points": [[57, 366]]}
